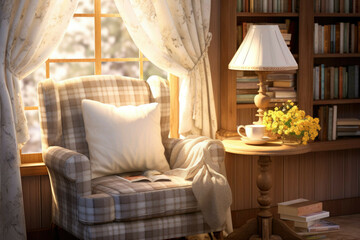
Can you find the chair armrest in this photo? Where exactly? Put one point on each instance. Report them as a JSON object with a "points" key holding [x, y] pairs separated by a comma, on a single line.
{"points": [[72, 165]]}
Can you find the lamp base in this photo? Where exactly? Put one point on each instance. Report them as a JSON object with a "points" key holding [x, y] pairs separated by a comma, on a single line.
{"points": [[261, 100]]}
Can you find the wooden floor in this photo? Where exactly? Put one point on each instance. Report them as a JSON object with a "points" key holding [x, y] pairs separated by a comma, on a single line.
{"points": [[349, 230]]}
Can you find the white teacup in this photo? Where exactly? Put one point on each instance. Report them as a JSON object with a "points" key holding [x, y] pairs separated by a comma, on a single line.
{"points": [[252, 131]]}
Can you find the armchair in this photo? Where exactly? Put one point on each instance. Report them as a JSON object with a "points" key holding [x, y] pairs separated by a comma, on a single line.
{"points": [[109, 207]]}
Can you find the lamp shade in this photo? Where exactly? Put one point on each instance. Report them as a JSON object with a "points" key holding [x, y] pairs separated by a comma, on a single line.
{"points": [[263, 49]]}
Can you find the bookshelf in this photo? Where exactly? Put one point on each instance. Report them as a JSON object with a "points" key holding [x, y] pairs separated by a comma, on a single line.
{"points": [[304, 18]]}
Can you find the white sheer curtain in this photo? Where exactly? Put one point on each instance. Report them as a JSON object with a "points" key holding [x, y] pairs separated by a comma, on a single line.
{"points": [[174, 35], [29, 31]]}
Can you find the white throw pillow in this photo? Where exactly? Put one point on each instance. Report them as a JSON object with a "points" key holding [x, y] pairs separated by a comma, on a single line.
{"points": [[123, 139]]}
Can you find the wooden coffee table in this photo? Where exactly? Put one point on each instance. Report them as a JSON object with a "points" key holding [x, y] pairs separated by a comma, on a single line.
{"points": [[264, 227]]}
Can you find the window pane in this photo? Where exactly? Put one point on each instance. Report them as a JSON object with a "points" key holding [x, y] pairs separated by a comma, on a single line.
{"points": [[34, 144], [115, 39], [29, 86], [130, 69], [78, 41], [61, 71], [151, 69], [108, 6], [86, 6]]}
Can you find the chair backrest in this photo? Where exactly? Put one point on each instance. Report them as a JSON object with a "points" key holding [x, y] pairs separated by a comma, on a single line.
{"points": [[60, 111]]}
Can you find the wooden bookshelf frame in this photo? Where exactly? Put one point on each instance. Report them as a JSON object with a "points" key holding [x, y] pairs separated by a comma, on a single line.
{"points": [[231, 112]]}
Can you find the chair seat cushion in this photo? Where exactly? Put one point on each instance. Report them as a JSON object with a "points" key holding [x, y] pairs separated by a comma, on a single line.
{"points": [[143, 200]]}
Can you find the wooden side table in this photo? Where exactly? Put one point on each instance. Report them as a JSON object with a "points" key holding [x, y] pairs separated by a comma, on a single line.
{"points": [[265, 227]]}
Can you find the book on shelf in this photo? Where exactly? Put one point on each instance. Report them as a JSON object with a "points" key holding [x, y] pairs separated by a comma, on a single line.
{"points": [[250, 78], [334, 123], [270, 94], [245, 98], [281, 89], [247, 85], [282, 100], [283, 83], [285, 94], [348, 121], [347, 127], [330, 124], [247, 91], [328, 121], [316, 82], [299, 207], [320, 226], [146, 176], [348, 134], [286, 75], [339, 6], [268, 6], [341, 37], [306, 218], [331, 82]]}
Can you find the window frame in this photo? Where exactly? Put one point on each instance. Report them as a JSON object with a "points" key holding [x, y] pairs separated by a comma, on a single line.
{"points": [[32, 163]]}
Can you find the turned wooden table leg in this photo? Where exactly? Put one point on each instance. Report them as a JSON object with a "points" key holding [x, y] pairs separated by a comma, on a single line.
{"points": [[264, 183]]}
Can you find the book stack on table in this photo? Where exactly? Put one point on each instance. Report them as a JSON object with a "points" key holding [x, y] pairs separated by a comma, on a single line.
{"points": [[307, 217]]}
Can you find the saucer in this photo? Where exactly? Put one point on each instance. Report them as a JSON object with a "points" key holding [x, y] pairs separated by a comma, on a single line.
{"points": [[255, 141]]}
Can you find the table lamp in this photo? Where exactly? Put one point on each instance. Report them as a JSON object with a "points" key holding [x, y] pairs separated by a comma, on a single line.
{"points": [[263, 50]]}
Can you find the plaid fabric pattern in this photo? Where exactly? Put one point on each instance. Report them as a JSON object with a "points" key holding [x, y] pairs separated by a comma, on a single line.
{"points": [[160, 93], [50, 115], [150, 229], [70, 164], [97, 209], [142, 200]]}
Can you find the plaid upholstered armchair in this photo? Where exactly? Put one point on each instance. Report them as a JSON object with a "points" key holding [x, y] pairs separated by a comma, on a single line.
{"points": [[108, 207]]}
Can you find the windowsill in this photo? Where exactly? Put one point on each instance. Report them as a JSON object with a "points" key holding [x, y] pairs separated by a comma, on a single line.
{"points": [[33, 169]]}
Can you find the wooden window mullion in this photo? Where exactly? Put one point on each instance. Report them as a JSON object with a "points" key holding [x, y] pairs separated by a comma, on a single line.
{"points": [[97, 21]]}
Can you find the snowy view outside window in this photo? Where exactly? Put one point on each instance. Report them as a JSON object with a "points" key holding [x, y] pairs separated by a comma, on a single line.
{"points": [[79, 43]]}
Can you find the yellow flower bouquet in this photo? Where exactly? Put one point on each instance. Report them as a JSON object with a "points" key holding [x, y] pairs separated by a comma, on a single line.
{"points": [[288, 120]]}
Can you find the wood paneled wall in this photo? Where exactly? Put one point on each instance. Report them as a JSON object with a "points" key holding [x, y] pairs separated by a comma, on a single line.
{"points": [[37, 202], [319, 176]]}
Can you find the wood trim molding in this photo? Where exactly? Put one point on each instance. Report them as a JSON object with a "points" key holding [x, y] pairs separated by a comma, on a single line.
{"points": [[33, 169]]}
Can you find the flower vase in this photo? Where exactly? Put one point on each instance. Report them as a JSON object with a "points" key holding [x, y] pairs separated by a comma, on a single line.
{"points": [[290, 139]]}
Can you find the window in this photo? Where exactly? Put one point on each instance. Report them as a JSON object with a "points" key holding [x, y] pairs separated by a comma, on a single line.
{"points": [[96, 42]]}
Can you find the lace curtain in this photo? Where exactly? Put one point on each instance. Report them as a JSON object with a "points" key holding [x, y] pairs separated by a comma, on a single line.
{"points": [[29, 31], [174, 35]]}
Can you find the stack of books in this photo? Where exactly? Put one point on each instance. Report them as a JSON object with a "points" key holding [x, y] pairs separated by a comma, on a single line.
{"points": [[348, 127], [282, 86], [307, 216], [246, 88]]}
